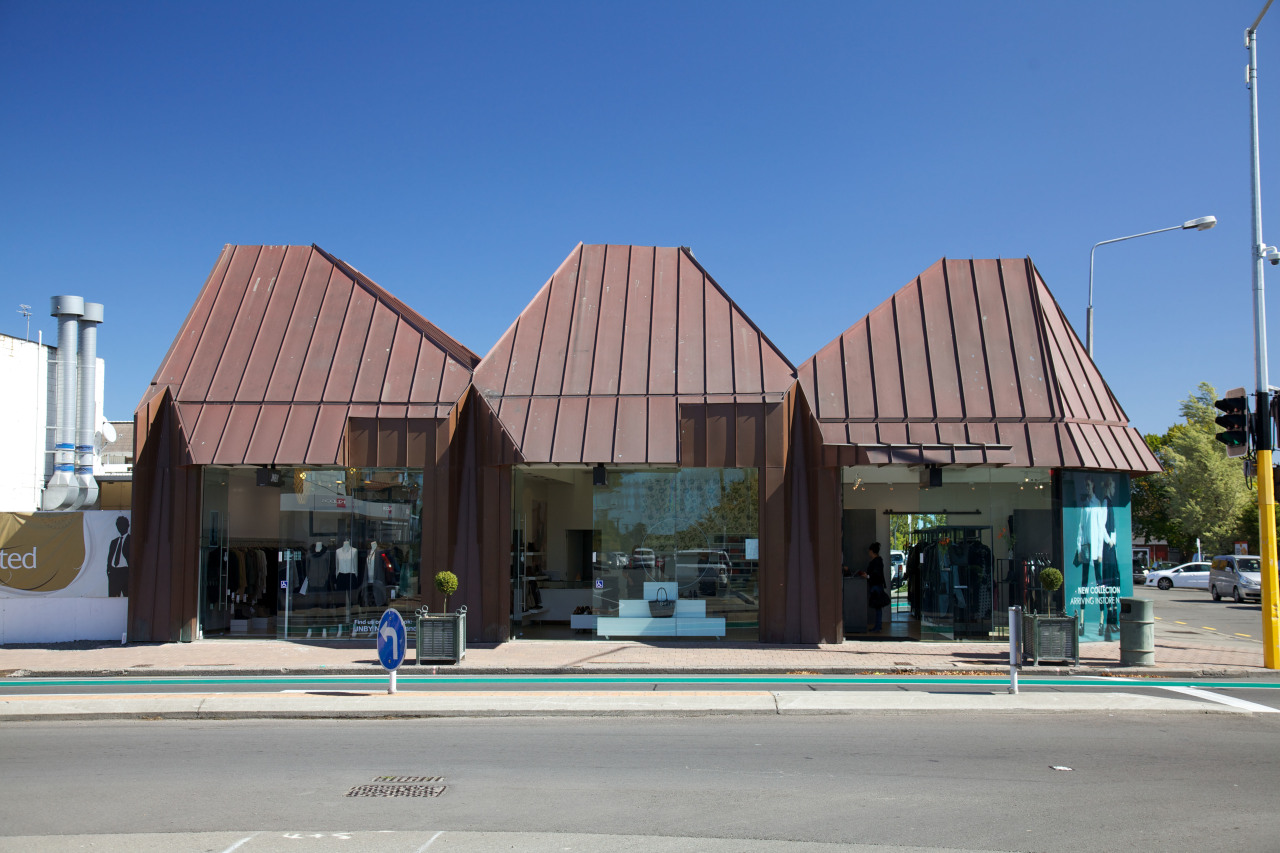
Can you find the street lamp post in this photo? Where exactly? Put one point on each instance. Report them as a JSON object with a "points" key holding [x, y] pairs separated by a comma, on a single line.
{"points": [[1262, 413], [1204, 223]]}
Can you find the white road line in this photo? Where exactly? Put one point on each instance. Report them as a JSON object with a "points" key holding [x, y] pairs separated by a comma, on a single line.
{"points": [[430, 841], [1224, 700], [240, 842]]}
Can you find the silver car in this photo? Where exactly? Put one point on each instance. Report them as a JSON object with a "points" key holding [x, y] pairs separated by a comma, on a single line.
{"points": [[1235, 575]]}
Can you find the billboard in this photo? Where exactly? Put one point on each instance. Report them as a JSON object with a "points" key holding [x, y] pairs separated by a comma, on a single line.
{"points": [[64, 554], [1098, 543]]}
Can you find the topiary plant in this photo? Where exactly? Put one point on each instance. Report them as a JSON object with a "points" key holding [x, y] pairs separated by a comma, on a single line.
{"points": [[1050, 581], [447, 583]]}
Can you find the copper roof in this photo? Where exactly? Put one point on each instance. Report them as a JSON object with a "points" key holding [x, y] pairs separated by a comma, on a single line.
{"points": [[284, 343], [975, 358], [598, 365]]}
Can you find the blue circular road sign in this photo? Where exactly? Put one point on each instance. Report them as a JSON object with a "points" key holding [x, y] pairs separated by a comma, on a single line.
{"points": [[392, 640]]}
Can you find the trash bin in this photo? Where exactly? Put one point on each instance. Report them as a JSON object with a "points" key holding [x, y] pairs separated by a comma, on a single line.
{"points": [[1137, 632]]}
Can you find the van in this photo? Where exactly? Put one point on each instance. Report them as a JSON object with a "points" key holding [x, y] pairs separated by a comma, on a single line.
{"points": [[1237, 576], [704, 572]]}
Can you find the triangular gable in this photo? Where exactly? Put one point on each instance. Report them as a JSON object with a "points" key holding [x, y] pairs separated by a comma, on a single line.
{"points": [[293, 324], [597, 365], [976, 344]]}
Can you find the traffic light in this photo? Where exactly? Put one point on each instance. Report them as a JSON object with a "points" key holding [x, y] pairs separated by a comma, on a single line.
{"points": [[1235, 422]]}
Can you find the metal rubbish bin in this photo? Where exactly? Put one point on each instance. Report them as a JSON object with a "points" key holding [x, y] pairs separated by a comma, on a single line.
{"points": [[1137, 632]]}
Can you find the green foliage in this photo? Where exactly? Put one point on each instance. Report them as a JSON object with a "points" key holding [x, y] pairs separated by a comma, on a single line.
{"points": [[447, 583], [1202, 492], [1050, 579]]}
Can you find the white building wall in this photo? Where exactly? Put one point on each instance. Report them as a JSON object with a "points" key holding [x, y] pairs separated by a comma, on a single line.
{"points": [[24, 388], [28, 389]]}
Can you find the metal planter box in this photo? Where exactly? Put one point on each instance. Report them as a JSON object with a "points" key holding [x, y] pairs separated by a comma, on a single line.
{"points": [[442, 637], [1050, 638]]}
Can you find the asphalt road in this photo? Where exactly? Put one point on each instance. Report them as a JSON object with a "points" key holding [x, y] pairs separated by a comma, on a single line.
{"points": [[1192, 614], [1169, 783]]}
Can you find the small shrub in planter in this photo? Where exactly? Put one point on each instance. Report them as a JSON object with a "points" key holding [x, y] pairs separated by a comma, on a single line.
{"points": [[447, 583]]}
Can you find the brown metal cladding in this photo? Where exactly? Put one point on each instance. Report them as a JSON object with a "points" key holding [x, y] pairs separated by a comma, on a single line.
{"points": [[294, 325], [282, 349], [981, 343], [599, 357]]}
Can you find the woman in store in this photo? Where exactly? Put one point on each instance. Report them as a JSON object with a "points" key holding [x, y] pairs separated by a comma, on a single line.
{"points": [[876, 584]]}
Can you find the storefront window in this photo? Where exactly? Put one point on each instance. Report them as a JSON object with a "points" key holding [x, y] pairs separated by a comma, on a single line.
{"points": [[960, 546], [589, 558], [308, 552]]}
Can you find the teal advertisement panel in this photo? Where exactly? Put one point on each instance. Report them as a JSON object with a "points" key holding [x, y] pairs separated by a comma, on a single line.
{"points": [[1098, 554]]}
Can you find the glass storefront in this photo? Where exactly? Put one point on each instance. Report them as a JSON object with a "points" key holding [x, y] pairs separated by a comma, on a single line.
{"points": [[959, 549], [308, 552], [593, 549]]}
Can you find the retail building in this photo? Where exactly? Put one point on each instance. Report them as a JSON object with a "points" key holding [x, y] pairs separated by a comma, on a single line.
{"points": [[312, 451]]}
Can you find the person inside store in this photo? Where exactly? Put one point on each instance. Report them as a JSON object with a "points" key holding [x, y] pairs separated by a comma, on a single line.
{"points": [[877, 598]]}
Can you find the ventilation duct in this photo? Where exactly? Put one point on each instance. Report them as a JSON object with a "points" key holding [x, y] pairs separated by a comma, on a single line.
{"points": [[87, 418], [61, 490]]}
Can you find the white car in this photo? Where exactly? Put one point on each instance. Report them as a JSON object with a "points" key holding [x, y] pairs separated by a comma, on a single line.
{"points": [[1188, 575]]}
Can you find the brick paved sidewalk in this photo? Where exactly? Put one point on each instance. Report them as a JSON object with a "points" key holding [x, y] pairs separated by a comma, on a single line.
{"points": [[602, 656]]}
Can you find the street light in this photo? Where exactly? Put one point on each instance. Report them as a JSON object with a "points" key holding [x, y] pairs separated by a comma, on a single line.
{"points": [[1204, 223]]}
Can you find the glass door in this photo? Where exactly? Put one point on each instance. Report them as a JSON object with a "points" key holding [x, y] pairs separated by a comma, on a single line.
{"points": [[215, 584]]}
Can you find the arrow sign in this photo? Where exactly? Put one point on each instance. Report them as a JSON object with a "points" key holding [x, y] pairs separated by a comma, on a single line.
{"points": [[392, 640]]}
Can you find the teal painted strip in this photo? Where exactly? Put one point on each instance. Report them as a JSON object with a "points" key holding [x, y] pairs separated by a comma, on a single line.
{"points": [[381, 678]]}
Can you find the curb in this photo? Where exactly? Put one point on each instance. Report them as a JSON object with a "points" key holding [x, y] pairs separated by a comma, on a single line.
{"points": [[373, 671]]}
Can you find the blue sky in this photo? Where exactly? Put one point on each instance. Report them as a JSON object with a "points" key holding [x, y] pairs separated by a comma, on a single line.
{"points": [[815, 156]]}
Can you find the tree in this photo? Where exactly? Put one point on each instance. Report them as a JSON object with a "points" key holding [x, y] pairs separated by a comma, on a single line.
{"points": [[1202, 492]]}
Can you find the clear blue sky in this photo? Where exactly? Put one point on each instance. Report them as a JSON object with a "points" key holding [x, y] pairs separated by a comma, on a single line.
{"points": [[815, 156]]}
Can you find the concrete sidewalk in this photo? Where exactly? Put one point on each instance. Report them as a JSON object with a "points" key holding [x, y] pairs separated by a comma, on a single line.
{"points": [[1174, 659]]}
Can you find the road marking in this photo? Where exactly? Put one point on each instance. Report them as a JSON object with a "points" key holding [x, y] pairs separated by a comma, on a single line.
{"points": [[1250, 636], [1224, 700], [1207, 628], [430, 841], [239, 843], [1176, 622]]}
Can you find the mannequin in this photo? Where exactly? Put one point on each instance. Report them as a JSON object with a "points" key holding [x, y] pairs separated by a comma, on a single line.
{"points": [[319, 561], [346, 559], [371, 563]]}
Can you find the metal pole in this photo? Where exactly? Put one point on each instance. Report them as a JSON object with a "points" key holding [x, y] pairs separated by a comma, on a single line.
{"points": [[1015, 628], [1262, 412], [391, 685]]}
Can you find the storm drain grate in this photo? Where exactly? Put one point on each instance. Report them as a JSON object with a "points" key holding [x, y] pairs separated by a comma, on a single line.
{"points": [[399, 786], [396, 791]]}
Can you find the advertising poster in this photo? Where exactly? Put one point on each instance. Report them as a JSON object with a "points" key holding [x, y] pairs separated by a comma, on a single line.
{"points": [[64, 554], [1097, 563]]}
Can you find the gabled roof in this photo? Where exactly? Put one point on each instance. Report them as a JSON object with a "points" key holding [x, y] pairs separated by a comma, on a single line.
{"points": [[596, 367], [284, 343], [972, 362]]}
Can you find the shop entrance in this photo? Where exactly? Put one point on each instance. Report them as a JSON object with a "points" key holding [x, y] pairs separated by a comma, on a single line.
{"points": [[956, 552]]}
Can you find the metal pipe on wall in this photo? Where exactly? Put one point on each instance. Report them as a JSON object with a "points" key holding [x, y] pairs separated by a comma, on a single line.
{"points": [[61, 490], [86, 420]]}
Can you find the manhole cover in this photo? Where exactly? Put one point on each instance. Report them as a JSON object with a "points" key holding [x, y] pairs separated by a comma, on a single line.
{"points": [[403, 779], [396, 791]]}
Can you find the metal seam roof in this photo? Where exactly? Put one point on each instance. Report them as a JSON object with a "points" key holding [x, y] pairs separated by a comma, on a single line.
{"points": [[974, 342]]}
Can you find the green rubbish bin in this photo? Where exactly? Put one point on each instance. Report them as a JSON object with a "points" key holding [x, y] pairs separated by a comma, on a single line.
{"points": [[1137, 632]]}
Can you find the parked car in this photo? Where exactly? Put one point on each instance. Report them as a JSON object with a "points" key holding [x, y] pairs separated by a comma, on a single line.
{"points": [[897, 569], [1139, 575], [1237, 576], [643, 558], [1188, 575]]}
